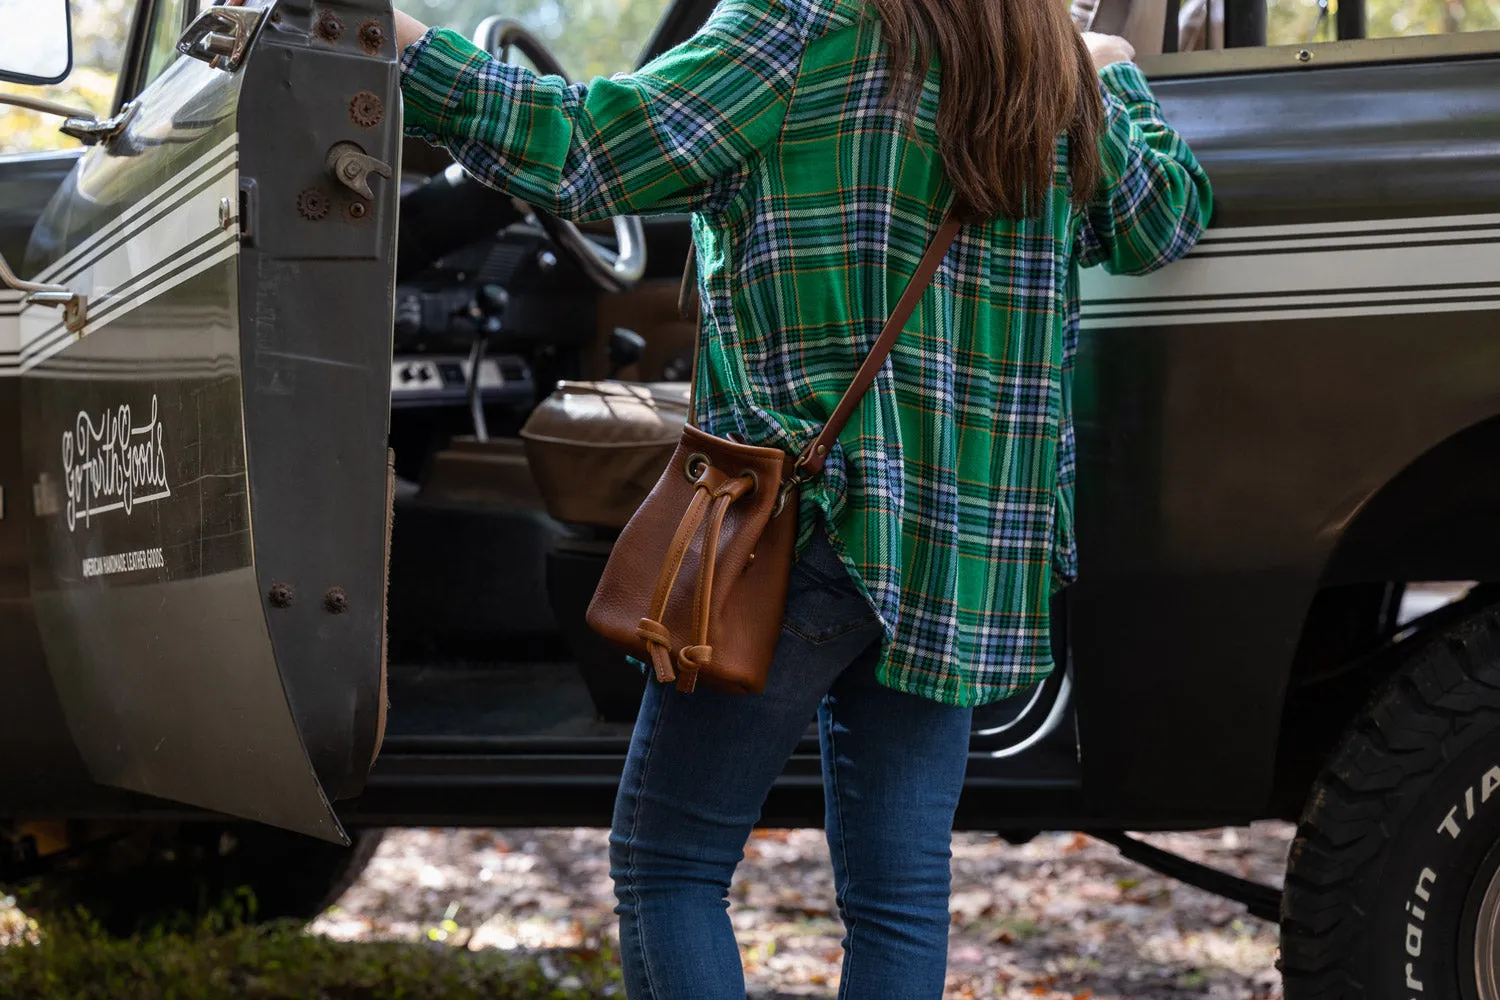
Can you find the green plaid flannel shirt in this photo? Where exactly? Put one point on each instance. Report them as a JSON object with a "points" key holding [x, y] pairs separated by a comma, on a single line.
{"points": [[950, 495]]}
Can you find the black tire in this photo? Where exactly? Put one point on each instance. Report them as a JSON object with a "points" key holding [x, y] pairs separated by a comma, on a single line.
{"points": [[172, 876], [1400, 840]]}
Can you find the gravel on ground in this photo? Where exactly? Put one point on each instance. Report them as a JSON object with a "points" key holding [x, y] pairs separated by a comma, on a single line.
{"points": [[1063, 917]]}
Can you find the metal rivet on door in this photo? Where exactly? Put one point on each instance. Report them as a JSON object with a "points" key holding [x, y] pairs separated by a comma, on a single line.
{"points": [[313, 204], [367, 110], [372, 36], [329, 28]]}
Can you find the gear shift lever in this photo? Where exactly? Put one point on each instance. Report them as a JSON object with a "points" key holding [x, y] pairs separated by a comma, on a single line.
{"points": [[490, 302], [625, 349]]}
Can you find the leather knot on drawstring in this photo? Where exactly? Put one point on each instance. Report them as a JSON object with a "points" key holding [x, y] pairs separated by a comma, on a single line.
{"points": [[692, 659], [659, 641]]}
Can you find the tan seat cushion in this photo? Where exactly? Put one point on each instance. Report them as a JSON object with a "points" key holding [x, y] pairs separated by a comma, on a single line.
{"points": [[597, 448]]}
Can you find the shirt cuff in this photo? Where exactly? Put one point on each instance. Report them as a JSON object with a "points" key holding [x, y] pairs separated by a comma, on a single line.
{"points": [[1126, 81], [435, 73]]}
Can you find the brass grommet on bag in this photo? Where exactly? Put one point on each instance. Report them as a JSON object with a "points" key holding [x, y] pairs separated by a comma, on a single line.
{"points": [[754, 481], [696, 464]]}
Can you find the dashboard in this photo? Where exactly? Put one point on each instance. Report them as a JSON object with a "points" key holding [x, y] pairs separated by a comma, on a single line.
{"points": [[477, 277], [443, 380]]}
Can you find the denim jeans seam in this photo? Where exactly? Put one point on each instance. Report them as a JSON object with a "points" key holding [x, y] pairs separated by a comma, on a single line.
{"points": [[841, 897], [635, 822]]}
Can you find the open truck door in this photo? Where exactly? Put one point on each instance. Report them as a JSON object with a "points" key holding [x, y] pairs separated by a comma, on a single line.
{"points": [[204, 380]]}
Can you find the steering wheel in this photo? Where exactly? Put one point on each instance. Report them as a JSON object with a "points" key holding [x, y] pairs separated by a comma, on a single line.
{"points": [[613, 271]]}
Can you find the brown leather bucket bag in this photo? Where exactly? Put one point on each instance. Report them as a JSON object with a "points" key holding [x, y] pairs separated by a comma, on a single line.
{"points": [[696, 584]]}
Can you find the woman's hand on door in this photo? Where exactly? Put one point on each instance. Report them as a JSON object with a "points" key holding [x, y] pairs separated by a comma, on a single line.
{"points": [[1108, 49], [408, 28]]}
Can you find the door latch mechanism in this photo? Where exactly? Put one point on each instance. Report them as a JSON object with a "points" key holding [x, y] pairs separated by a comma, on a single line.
{"points": [[74, 306], [352, 167], [220, 36]]}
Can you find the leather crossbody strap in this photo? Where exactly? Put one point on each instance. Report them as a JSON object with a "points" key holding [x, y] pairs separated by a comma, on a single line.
{"points": [[690, 307], [810, 462]]}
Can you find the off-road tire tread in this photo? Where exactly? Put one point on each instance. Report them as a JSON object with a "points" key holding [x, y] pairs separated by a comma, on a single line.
{"points": [[1450, 682]]}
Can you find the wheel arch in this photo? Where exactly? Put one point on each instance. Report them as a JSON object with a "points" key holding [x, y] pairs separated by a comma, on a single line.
{"points": [[1434, 520]]}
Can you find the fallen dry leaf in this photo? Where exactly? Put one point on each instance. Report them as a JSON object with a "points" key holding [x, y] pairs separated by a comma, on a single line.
{"points": [[1063, 917]]}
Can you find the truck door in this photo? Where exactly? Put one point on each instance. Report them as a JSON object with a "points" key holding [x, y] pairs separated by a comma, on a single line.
{"points": [[205, 424], [1238, 410]]}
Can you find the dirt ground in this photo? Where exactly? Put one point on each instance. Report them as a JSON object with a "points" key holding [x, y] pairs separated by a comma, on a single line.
{"points": [[1061, 918]]}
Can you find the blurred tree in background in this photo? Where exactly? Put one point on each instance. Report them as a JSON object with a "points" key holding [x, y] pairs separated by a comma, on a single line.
{"points": [[100, 31], [591, 37], [1297, 22], [600, 37], [1394, 18]]}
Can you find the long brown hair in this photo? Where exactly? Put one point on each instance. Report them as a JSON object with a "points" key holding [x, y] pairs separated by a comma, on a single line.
{"points": [[1016, 77]]}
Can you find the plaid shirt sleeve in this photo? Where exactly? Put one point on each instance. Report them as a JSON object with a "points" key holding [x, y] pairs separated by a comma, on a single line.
{"points": [[674, 136], [1155, 199]]}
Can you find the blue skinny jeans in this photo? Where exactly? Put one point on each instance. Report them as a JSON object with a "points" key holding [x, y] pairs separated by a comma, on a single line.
{"points": [[698, 772]]}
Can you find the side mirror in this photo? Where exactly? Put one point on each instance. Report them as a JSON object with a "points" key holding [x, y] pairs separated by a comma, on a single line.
{"points": [[36, 41]]}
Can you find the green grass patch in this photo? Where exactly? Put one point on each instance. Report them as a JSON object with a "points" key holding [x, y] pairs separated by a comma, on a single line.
{"points": [[72, 959]]}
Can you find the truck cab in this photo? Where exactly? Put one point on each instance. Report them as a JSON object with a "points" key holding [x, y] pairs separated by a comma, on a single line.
{"points": [[279, 565]]}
